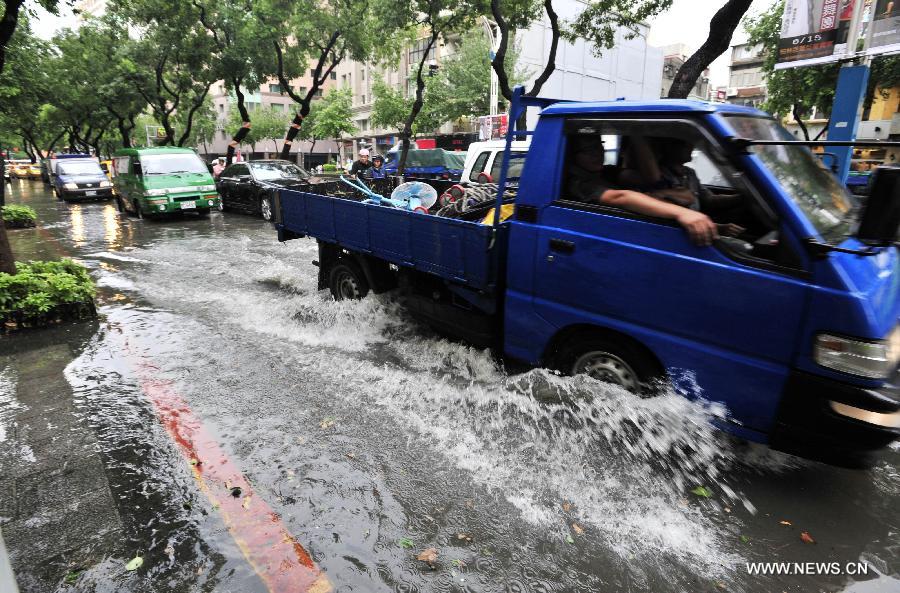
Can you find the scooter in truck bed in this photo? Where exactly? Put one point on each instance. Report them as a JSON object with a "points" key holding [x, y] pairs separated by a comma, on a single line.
{"points": [[793, 325]]}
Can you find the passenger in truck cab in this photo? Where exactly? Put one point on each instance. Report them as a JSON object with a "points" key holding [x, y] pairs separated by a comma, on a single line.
{"points": [[591, 180]]}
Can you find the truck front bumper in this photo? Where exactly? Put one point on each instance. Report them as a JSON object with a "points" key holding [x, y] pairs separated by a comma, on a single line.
{"points": [[836, 422]]}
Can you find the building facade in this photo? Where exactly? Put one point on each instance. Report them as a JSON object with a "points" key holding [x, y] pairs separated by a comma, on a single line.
{"points": [[746, 84], [674, 57], [88, 8]]}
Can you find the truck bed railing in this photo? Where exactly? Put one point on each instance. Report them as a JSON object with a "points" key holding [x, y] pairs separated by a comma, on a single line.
{"points": [[517, 107]]}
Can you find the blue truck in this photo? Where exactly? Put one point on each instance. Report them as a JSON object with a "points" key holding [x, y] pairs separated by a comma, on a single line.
{"points": [[793, 325]]}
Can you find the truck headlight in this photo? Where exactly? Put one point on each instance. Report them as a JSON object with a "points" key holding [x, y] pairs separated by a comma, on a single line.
{"points": [[155, 192], [70, 185], [870, 359], [205, 188]]}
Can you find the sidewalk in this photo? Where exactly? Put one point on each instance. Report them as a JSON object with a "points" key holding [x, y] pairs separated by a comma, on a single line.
{"points": [[56, 509]]}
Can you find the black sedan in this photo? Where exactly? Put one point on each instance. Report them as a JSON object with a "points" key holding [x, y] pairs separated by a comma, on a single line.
{"points": [[249, 186]]}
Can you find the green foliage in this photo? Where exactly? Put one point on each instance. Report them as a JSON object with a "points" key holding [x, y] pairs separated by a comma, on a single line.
{"points": [[462, 87], [329, 167], [334, 116], [268, 124], [39, 286], [601, 20], [16, 214]]}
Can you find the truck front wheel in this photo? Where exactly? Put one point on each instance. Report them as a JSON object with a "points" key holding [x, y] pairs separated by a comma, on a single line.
{"points": [[347, 281], [611, 361]]}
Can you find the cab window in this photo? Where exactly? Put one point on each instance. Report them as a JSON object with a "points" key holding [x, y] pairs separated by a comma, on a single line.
{"points": [[516, 163], [479, 166], [675, 162]]}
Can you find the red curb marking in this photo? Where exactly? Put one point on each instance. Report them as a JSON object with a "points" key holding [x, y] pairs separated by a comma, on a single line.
{"points": [[279, 559]]}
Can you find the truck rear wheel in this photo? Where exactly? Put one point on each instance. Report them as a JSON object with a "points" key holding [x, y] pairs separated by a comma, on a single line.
{"points": [[347, 281], [611, 361]]}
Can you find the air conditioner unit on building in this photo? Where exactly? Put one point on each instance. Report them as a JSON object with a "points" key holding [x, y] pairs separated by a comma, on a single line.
{"points": [[732, 91]]}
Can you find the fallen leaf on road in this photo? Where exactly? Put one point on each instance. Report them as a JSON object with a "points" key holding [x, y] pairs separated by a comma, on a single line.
{"points": [[458, 563], [745, 539], [577, 529], [807, 538], [135, 563], [428, 555], [569, 539], [405, 542], [566, 507], [72, 577], [326, 423], [246, 502], [786, 523], [702, 491], [170, 550]]}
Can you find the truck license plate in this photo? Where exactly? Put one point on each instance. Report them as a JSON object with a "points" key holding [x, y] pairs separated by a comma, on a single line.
{"points": [[90, 193], [188, 205]]}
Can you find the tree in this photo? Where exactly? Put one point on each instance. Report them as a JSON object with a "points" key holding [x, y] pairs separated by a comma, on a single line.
{"points": [[204, 127], [8, 24], [462, 87], [171, 66], [268, 125], [390, 109], [721, 30], [244, 55], [431, 20], [334, 115], [323, 33]]}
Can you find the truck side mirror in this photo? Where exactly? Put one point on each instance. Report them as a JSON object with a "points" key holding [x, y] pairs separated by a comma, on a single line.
{"points": [[880, 219]]}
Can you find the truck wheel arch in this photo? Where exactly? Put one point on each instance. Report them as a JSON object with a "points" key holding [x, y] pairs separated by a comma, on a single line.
{"points": [[377, 272], [561, 345]]}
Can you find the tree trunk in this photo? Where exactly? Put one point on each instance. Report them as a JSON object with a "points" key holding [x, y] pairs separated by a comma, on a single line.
{"points": [[406, 132], [798, 117], [721, 29], [499, 61], [245, 122], [318, 79]]}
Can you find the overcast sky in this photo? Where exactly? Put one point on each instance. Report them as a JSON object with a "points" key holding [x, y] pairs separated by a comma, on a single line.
{"points": [[686, 22]]}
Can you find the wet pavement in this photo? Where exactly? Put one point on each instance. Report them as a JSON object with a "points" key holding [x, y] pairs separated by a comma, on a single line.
{"points": [[359, 437]]}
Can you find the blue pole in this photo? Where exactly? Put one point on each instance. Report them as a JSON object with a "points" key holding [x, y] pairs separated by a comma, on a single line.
{"points": [[851, 91]]}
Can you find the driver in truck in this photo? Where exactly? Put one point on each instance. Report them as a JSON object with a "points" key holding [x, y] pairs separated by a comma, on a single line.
{"points": [[590, 180]]}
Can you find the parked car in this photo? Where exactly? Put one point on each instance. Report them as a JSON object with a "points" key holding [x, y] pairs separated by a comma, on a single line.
{"points": [[154, 181], [81, 179], [483, 160], [793, 327], [19, 169], [250, 186]]}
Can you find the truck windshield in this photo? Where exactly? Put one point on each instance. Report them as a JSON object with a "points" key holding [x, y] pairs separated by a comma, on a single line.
{"points": [[79, 168], [817, 192], [169, 164]]}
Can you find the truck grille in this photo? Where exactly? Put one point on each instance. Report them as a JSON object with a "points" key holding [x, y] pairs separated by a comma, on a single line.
{"points": [[88, 185]]}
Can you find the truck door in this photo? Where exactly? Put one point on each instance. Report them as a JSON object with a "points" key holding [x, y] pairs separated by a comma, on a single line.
{"points": [[718, 317]]}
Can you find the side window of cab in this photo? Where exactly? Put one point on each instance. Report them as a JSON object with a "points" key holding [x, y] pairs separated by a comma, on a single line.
{"points": [[674, 161], [479, 166]]}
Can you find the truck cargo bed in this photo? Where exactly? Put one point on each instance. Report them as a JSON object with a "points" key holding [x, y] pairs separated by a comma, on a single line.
{"points": [[457, 250]]}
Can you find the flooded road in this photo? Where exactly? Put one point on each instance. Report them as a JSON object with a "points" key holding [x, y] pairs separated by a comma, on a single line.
{"points": [[366, 439]]}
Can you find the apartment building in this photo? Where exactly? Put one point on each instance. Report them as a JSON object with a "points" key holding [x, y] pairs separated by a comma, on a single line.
{"points": [[674, 57], [746, 84], [86, 8]]}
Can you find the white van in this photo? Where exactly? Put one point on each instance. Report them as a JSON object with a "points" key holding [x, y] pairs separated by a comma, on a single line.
{"points": [[487, 157]]}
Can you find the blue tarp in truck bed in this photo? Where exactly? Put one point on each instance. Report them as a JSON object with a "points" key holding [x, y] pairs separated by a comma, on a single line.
{"points": [[456, 250]]}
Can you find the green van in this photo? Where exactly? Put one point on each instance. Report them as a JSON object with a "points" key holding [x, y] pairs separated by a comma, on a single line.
{"points": [[151, 181]]}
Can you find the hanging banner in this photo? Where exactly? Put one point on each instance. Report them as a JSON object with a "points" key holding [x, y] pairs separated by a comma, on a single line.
{"points": [[492, 127], [814, 32], [886, 27]]}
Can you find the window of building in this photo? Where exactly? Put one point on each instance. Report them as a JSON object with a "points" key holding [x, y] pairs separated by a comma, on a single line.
{"points": [[312, 73], [278, 107], [363, 101], [318, 92], [302, 91], [333, 75], [275, 88], [221, 108], [418, 49]]}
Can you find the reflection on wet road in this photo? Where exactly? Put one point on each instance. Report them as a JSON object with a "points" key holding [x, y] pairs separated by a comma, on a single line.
{"points": [[371, 439]]}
